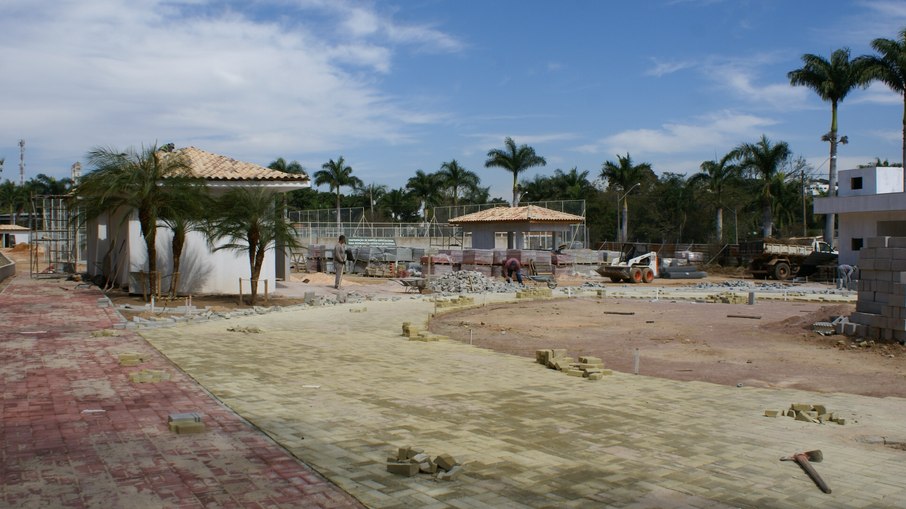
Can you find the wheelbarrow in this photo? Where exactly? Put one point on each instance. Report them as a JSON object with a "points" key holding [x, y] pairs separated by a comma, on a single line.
{"points": [[413, 284], [548, 280]]}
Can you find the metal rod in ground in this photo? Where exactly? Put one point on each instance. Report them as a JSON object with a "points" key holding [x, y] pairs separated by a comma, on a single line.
{"points": [[635, 361]]}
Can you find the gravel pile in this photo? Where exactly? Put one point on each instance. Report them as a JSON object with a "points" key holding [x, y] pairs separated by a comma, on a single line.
{"points": [[734, 284], [467, 281]]}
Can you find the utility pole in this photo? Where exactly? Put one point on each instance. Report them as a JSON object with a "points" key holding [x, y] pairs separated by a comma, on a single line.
{"points": [[21, 162], [804, 226]]}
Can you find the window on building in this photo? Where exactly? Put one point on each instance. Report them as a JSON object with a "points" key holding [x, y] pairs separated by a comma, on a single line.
{"points": [[857, 244], [855, 183]]}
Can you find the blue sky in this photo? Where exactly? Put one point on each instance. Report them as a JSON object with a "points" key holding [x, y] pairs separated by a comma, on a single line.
{"points": [[406, 85]]}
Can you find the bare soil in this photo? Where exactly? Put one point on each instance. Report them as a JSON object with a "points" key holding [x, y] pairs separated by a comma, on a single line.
{"points": [[773, 346]]}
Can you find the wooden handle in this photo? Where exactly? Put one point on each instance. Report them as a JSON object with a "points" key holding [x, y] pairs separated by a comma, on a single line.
{"points": [[803, 462]]}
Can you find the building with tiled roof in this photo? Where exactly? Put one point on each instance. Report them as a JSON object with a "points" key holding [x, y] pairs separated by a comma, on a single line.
{"points": [[526, 214], [218, 170], [515, 221], [116, 247]]}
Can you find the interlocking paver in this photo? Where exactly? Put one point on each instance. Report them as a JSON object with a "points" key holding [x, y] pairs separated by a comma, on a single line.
{"points": [[528, 436], [75, 432]]}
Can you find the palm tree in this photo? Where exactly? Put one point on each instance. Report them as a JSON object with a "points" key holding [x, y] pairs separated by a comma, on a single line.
{"points": [[890, 69], [249, 220], [280, 164], [182, 220], [46, 185], [832, 80], [337, 174], [622, 176], [371, 194], [425, 187], [147, 182], [763, 160], [399, 205], [13, 198], [571, 185], [715, 175], [455, 178], [514, 160]]}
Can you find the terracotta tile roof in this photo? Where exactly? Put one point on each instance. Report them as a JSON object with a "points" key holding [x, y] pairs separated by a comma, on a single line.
{"points": [[526, 214], [12, 228], [216, 167]]}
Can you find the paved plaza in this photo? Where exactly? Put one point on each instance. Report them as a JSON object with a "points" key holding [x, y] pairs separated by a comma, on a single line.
{"points": [[340, 389]]}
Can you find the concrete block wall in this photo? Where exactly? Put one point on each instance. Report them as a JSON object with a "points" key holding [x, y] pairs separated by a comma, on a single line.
{"points": [[881, 306]]}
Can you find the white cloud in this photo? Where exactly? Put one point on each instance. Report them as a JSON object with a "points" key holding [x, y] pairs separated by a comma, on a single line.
{"points": [[122, 73], [713, 132], [663, 68], [877, 93]]}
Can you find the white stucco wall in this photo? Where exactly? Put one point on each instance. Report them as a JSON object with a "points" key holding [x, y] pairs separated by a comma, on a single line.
{"points": [[875, 180], [202, 271]]}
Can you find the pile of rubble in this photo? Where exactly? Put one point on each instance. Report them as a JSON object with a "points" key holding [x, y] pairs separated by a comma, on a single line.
{"points": [[807, 412], [409, 461], [468, 281], [588, 367]]}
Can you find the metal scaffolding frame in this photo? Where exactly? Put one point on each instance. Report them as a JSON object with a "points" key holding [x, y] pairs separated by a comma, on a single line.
{"points": [[56, 239]]}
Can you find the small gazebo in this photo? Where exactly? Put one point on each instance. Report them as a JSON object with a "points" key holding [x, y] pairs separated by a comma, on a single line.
{"points": [[484, 224]]}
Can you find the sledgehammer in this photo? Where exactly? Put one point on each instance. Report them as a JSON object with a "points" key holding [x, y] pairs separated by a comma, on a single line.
{"points": [[804, 459]]}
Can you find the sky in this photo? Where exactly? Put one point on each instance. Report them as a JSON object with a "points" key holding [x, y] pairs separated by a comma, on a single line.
{"points": [[398, 86]]}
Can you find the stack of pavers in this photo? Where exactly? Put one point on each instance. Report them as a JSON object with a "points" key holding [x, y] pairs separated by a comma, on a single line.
{"points": [[881, 306], [589, 367], [316, 260], [537, 292], [807, 412], [184, 423], [130, 359], [414, 333], [478, 260], [409, 461]]}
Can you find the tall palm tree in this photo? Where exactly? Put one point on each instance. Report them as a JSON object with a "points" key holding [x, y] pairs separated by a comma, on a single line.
{"points": [[425, 187], [399, 205], [514, 160], [249, 220], [890, 69], [571, 185], [337, 174], [764, 160], [832, 80], [183, 219], [456, 178], [147, 182], [715, 176], [622, 176]]}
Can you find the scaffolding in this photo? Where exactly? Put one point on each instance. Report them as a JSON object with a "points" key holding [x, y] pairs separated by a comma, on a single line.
{"points": [[56, 240]]}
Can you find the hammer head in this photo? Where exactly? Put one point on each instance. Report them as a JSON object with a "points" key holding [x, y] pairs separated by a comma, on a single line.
{"points": [[812, 456]]}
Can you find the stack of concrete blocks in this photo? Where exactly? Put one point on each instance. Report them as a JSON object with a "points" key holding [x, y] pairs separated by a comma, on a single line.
{"points": [[409, 461], [478, 260], [588, 367], [316, 258], [436, 265], [881, 306], [807, 412], [185, 423]]}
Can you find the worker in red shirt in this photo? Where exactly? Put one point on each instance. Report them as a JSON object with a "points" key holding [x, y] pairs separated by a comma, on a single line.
{"points": [[512, 267]]}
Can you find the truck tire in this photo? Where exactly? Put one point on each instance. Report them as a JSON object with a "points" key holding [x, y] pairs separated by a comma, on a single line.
{"points": [[647, 275], [635, 275], [781, 271]]}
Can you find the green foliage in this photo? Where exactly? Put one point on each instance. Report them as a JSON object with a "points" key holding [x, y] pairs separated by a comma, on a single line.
{"points": [[248, 220], [426, 187], [514, 160], [456, 179], [889, 67], [156, 184]]}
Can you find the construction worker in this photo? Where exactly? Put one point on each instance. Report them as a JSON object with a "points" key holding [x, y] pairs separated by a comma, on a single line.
{"points": [[339, 260], [845, 275], [512, 267]]}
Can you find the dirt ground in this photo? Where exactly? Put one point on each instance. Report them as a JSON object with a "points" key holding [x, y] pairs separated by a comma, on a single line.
{"points": [[692, 341], [676, 340]]}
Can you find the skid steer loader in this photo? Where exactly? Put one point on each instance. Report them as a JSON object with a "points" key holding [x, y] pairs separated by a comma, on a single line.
{"points": [[630, 268]]}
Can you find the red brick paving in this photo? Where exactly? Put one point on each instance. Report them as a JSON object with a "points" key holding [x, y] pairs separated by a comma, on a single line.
{"points": [[75, 432]]}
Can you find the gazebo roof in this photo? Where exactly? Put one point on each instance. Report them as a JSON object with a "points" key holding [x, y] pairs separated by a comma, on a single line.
{"points": [[222, 168], [10, 228], [526, 214]]}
